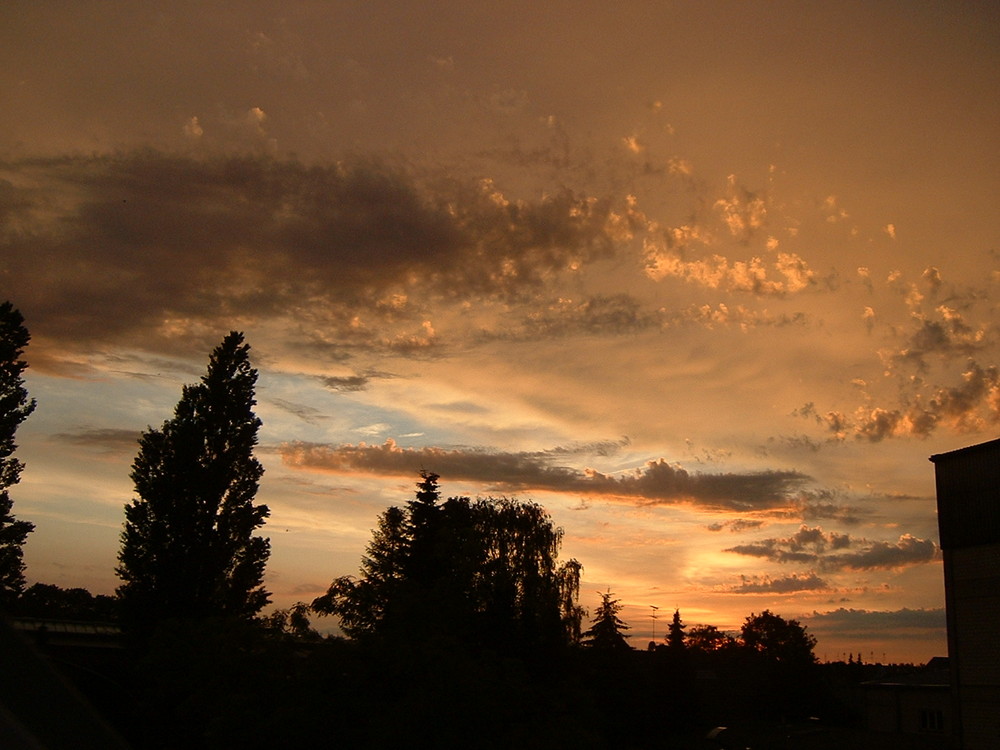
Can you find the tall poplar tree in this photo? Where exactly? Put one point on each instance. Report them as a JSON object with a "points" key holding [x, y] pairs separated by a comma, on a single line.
{"points": [[15, 406], [188, 547]]}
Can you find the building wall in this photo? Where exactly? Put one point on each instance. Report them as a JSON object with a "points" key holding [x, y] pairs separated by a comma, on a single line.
{"points": [[975, 574], [908, 709], [968, 496]]}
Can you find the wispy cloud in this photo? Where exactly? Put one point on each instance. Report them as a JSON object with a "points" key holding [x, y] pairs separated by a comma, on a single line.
{"points": [[306, 413]]}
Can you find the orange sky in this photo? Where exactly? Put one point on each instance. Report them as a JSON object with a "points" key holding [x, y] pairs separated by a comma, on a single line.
{"points": [[710, 281]]}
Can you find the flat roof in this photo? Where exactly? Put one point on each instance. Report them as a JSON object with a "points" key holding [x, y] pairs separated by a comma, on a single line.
{"points": [[989, 445]]}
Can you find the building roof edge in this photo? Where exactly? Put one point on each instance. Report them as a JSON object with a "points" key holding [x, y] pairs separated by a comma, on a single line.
{"points": [[967, 449]]}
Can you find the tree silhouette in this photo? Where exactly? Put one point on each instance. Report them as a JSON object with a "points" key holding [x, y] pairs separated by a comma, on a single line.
{"points": [[605, 632], [781, 666], [777, 638], [14, 409], [188, 549], [522, 592], [484, 571], [49, 601], [707, 639], [292, 622], [675, 633], [364, 604], [423, 526]]}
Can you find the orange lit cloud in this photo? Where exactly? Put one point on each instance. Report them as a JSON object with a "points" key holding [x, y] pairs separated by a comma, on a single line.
{"points": [[938, 364]]}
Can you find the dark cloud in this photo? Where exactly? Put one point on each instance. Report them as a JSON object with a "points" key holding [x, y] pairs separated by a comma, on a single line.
{"points": [[943, 333], [346, 383], [973, 405], [814, 506], [107, 439], [148, 245], [962, 403], [795, 443], [942, 362], [907, 550], [302, 411], [657, 482], [735, 526], [660, 480], [786, 585], [309, 588], [739, 316], [163, 251], [621, 314], [819, 504], [615, 314], [892, 624], [513, 470], [833, 551], [597, 448]]}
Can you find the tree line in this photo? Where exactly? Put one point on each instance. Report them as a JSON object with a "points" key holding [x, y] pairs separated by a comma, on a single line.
{"points": [[461, 621]]}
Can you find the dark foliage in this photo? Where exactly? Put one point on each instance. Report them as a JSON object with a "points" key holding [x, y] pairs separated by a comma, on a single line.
{"points": [[777, 656], [606, 631], [46, 601], [15, 406], [777, 638], [483, 572], [675, 633], [188, 548], [292, 623], [708, 639]]}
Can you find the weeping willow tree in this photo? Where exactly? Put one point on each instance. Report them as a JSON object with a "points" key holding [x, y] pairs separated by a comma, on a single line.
{"points": [[485, 571]]}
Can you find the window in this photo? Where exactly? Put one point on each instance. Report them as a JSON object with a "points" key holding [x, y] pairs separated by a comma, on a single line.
{"points": [[931, 720]]}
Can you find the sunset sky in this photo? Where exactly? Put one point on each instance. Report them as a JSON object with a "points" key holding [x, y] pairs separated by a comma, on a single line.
{"points": [[709, 280]]}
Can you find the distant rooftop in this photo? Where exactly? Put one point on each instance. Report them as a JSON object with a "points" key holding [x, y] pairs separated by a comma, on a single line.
{"points": [[69, 627], [934, 674]]}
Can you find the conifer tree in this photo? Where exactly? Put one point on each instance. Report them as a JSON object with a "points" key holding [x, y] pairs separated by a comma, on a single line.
{"points": [[15, 406], [188, 547], [424, 529], [675, 634], [606, 631]]}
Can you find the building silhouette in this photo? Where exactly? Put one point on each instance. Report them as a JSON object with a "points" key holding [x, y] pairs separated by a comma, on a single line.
{"points": [[968, 500]]}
